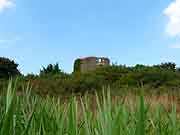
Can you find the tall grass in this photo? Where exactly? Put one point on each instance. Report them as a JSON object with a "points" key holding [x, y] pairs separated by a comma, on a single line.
{"points": [[33, 115]]}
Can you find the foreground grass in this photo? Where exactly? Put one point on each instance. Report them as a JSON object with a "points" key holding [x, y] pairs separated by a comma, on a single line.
{"points": [[33, 115]]}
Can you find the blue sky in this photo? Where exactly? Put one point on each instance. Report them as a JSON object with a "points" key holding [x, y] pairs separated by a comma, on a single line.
{"points": [[37, 32]]}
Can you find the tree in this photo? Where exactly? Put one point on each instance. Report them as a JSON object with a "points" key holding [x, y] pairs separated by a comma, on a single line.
{"points": [[51, 69], [140, 67], [77, 65], [167, 66], [8, 68]]}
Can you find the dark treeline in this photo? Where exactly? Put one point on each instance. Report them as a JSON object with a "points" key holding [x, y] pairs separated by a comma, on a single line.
{"points": [[52, 80]]}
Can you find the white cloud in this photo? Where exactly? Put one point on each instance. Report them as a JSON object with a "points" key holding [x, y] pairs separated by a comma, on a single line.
{"points": [[2, 41], [173, 14], [7, 43], [10, 40], [175, 46], [6, 4]]}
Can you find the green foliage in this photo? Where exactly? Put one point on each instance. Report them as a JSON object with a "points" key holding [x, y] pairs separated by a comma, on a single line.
{"points": [[52, 80], [168, 66], [8, 68], [51, 70], [33, 115], [77, 65]]}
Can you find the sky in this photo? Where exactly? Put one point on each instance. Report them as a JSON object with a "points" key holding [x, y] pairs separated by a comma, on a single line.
{"points": [[36, 33]]}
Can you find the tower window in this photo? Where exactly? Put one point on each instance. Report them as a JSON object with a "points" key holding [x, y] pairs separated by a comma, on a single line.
{"points": [[100, 60]]}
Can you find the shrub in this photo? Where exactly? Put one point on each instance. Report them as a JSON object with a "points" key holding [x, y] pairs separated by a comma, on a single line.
{"points": [[8, 68]]}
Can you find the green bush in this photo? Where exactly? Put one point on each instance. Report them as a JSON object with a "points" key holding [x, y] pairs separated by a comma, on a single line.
{"points": [[52, 80], [8, 68], [33, 115]]}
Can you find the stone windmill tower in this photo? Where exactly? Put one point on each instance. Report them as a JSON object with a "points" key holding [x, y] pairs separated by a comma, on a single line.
{"points": [[90, 63]]}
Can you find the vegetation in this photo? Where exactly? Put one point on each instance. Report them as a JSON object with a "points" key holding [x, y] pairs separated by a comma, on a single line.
{"points": [[33, 115], [118, 77], [77, 65], [52, 105], [8, 68], [53, 81]]}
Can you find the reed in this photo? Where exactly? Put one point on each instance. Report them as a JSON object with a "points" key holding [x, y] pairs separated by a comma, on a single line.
{"points": [[33, 115]]}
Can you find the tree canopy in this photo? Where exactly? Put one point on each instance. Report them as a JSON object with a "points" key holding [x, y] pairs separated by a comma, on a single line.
{"points": [[8, 68]]}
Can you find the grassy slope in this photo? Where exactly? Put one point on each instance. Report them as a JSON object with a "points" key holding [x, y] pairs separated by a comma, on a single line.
{"points": [[32, 115]]}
